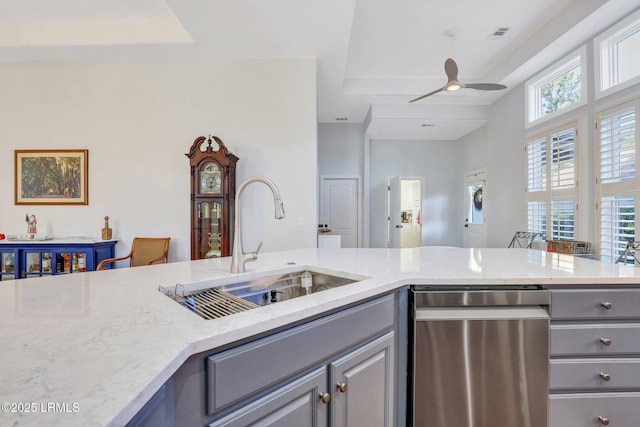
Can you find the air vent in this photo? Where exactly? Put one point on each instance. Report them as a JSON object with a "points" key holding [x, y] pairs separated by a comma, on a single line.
{"points": [[499, 33]]}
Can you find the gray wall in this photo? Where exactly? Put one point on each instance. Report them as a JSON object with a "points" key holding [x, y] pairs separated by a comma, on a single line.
{"points": [[437, 162], [505, 168], [340, 148]]}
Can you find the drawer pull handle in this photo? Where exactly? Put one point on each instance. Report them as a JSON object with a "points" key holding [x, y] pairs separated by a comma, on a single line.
{"points": [[606, 305], [605, 376], [342, 387], [605, 341], [325, 397], [603, 420]]}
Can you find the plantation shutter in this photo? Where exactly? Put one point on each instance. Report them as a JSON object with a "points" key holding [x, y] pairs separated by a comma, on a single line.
{"points": [[617, 146], [617, 226], [537, 217], [562, 219], [537, 165], [563, 159]]}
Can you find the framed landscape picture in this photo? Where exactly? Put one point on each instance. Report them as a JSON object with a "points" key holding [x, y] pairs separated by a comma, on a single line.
{"points": [[51, 177]]}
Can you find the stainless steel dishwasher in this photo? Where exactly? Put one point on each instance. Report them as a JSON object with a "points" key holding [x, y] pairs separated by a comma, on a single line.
{"points": [[480, 356]]}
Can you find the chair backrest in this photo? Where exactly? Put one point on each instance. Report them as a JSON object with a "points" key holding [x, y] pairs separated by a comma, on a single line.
{"points": [[146, 250]]}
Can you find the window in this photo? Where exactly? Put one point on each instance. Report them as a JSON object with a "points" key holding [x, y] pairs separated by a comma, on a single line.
{"points": [[551, 191], [617, 186], [537, 217], [562, 159], [617, 146], [618, 64], [558, 89], [563, 219], [617, 226]]}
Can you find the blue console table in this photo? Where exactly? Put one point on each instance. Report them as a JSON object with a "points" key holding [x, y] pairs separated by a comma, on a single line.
{"points": [[20, 259]]}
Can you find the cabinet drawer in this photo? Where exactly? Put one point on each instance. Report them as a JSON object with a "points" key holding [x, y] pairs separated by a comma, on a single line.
{"points": [[592, 339], [594, 374], [581, 410], [251, 368], [595, 304]]}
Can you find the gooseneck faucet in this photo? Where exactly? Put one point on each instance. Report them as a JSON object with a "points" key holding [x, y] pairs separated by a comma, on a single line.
{"points": [[238, 256]]}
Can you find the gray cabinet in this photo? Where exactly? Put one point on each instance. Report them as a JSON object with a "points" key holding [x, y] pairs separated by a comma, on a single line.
{"points": [[343, 369], [355, 348], [294, 404], [363, 383], [357, 389], [159, 410], [595, 357]]}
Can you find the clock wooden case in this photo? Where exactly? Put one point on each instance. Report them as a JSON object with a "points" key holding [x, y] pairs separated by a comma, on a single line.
{"points": [[213, 189]]}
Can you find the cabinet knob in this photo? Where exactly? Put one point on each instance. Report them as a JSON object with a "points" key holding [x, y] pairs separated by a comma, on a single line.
{"points": [[342, 387], [606, 305], [605, 376], [325, 397], [605, 341], [603, 420]]}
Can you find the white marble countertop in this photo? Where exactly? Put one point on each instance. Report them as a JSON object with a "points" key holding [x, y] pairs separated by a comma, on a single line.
{"points": [[98, 345]]}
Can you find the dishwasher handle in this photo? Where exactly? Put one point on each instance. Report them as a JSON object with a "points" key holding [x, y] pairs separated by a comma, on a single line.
{"points": [[481, 298]]}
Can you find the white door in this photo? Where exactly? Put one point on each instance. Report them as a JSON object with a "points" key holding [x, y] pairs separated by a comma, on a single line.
{"points": [[404, 203], [339, 208], [394, 213], [475, 222]]}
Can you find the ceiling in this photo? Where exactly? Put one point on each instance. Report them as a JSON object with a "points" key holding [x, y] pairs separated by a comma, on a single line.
{"points": [[373, 55]]}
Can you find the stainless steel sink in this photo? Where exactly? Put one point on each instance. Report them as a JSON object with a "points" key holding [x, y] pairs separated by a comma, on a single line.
{"points": [[225, 299]]}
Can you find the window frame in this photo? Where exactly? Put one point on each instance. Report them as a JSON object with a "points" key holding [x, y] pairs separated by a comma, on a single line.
{"points": [[604, 57], [622, 188], [550, 194], [533, 85]]}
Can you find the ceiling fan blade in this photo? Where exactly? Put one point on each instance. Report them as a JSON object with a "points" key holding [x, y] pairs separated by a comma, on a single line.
{"points": [[451, 68], [484, 86], [428, 94]]}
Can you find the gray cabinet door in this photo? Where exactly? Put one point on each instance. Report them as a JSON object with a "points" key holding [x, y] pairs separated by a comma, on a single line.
{"points": [[159, 411], [367, 377], [294, 404]]}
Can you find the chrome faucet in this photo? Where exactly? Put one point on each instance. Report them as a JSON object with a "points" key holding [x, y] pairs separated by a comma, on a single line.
{"points": [[238, 256]]}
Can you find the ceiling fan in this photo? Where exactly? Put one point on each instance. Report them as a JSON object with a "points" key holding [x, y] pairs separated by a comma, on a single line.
{"points": [[451, 68]]}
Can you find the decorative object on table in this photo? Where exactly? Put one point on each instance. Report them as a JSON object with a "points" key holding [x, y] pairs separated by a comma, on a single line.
{"points": [[32, 228], [213, 189], [107, 233], [569, 247], [51, 177]]}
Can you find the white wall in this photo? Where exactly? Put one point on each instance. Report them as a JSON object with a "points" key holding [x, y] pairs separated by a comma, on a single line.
{"points": [[138, 119]]}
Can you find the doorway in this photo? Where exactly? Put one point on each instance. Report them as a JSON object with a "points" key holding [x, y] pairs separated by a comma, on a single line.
{"points": [[404, 212], [475, 222], [340, 208]]}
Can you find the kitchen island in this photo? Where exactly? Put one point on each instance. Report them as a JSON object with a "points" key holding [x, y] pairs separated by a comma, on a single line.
{"points": [[93, 348]]}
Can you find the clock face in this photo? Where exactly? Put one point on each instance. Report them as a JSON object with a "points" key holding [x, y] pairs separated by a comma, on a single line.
{"points": [[210, 179]]}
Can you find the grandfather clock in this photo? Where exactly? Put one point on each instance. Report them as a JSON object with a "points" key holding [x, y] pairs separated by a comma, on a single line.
{"points": [[213, 189]]}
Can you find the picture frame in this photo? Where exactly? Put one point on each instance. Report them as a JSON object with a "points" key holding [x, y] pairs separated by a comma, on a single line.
{"points": [[51, 177]]}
